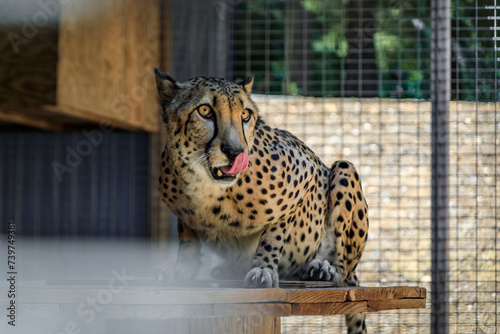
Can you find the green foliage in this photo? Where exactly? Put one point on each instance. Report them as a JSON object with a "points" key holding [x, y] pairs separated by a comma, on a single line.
{"points": [[265, 33]]}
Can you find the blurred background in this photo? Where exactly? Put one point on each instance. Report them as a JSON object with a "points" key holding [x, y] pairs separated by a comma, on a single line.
{"points": [[80, 131]]}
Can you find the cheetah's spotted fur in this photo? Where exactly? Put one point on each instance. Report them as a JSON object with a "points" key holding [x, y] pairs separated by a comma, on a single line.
{"points": [[286, 216]]}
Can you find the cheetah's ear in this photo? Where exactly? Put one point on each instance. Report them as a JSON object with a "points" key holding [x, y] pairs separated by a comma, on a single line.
{"points": [[247, 84], [168, 87]]}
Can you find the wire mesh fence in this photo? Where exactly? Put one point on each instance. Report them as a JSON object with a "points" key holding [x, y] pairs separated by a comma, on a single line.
{"points": [[353, 80]]}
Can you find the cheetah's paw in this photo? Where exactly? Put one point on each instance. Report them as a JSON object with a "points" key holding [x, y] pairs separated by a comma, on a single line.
{"points": [[318, 270], [172, 272], [262, 278]]}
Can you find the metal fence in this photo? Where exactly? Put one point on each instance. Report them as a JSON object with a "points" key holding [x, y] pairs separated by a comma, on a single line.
{"points": [[407, 90]]}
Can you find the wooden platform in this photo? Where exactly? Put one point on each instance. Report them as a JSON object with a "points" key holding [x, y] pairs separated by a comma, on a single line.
{"points": [[208, 306]]}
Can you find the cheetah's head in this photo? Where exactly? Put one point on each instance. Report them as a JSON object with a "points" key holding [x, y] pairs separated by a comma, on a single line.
{"points": [[210, 123]]}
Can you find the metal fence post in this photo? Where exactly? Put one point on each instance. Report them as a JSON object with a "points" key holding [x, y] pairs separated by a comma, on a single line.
{"points": [[440, 97]]}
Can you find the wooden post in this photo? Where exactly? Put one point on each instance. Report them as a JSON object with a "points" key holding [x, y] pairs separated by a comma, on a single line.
{"points": [[440, 97]]}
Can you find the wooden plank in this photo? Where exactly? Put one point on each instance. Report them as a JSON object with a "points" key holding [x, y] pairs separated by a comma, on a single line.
{"points": [[353, 294], [258, 325], [317, 296], [235, 325], [395, 304], [88, 116], [26, 86], [142, 50], [134, 326], [255, 309], [385, 293], [28, 59], [91, 64], [154, 297], [329, 308], [144, 312], [216, 326], [86, 311], [276, 325], [144, 302], [20, 118], [176, 326], [173, 311], [108, 50]]}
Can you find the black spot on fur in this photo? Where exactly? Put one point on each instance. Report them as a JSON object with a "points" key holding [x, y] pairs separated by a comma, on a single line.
{"points": [[344, 165], [306, 250]]}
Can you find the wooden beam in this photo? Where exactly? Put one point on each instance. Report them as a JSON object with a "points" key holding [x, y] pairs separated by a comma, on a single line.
{"points": [[87, 116], [108, 51], [329, 308], [255, 309], [20, 118], [160, 296]]}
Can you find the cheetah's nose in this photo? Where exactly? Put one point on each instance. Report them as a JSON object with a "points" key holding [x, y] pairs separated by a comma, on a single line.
{"points": [[230, 151]]}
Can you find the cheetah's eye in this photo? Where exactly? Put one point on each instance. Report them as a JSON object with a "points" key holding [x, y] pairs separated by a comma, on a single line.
{"points": [[205, 111], [246, 115]]}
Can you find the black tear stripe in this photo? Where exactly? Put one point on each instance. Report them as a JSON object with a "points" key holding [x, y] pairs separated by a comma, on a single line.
{"points": [[244, 134], [214, 102], [216, 130]]}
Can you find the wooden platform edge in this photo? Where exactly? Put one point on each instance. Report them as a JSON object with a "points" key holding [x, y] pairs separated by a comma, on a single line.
{"points": [[140, 303], [305, 309], [386, 293], [336, 295]]}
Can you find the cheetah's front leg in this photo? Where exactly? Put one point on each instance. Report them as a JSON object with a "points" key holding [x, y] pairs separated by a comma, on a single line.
{"points": [[264, 272], [188, 257]]}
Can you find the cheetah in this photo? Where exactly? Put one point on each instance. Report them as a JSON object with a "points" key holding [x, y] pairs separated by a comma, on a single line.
{"points": [[258, 196]]}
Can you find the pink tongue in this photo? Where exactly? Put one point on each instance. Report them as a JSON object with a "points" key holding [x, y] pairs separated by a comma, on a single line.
{"points": [[239, 165]]}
